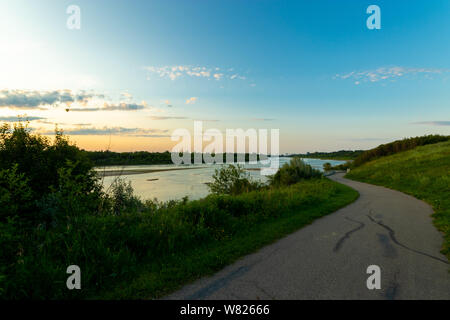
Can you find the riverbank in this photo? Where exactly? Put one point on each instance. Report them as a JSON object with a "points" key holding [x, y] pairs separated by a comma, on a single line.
{"points": [[127, 172], [176, 184]]}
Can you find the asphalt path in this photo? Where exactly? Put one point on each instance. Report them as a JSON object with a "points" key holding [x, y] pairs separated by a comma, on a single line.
{"points": [[329, 258]]}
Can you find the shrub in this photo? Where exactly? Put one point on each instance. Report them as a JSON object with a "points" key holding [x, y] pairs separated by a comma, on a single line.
{"points": [[44, 167], [232, 180], [15, 195], [343, 166], [293, 172], [327, 166], [122, 197]]}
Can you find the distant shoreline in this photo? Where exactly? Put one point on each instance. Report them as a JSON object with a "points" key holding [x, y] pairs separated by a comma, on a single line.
{"points": [[110, 173]]}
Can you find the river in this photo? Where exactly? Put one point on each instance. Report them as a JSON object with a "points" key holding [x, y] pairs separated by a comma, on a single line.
{"points": [[175, 184]]}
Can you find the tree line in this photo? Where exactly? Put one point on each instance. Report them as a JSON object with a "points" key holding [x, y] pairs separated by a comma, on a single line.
{"points": [[335, 155], [110, 158], [397, 146]]}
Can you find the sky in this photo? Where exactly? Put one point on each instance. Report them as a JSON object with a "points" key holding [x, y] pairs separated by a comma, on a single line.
{"points": [[135, 71]]}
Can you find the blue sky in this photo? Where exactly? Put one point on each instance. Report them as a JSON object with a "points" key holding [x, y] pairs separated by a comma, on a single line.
{"points": [[310, 68]]}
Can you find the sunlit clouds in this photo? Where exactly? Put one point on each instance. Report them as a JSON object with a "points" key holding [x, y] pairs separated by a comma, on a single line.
{"points": [[390, 74], [191, 100], [183, 71], [132, 132], [26, 99]]}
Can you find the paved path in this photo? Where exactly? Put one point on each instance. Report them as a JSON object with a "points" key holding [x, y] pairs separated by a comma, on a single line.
{"points": [[328, 259]]}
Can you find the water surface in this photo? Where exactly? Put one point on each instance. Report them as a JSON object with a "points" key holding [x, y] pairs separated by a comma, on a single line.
{"points": [[173, 185]]}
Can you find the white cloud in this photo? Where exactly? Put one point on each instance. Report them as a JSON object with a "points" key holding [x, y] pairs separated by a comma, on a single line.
{"points": [[191, 100], [388, 73], [34, 99], [70, 100], [175, 72], [167, 118], [20, 118], [134, 132], [434, 123], [126, 95], [167, 103], [113, 107]]}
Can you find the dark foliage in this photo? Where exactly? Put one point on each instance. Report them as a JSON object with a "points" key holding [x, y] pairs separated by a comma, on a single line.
{"points": [[336, 155], [109, 158], [293, 172], [233, 180]]}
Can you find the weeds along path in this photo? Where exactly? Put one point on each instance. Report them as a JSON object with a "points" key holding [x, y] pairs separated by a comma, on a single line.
{"points": [[329, 258]]}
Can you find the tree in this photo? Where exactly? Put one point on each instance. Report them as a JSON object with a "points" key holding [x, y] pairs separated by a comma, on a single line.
{"points": [[232, 180]]}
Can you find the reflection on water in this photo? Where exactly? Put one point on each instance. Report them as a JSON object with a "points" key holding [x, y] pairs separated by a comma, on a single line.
{"points": [[168, 185]]}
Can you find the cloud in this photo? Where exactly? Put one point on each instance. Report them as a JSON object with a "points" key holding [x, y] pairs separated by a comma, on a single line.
{"points": [[167, 103], [191, 100], [20, 118], [434, 123], [207, 120], [389, 73], [166, 117], [126, 95], [64, 123], [135, 132], [367, 139], [25, 99], [175, 72], [72, 101], [236, 76], [262, 119], [112, 107]]}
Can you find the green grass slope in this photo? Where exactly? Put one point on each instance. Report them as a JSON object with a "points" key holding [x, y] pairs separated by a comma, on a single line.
{"points": [[423, 172]]}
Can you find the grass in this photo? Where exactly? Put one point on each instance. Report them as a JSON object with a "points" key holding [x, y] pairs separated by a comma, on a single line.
{"points": [[423, 173], [265, 217]]}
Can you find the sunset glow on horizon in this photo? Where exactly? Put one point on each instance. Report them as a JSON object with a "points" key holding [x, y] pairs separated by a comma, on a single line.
{"points": [[132, 74]]}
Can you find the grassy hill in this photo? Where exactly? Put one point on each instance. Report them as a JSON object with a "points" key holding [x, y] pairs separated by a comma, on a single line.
{"points": [[423, 172]]}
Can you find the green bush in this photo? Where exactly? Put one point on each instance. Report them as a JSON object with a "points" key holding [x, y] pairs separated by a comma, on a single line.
{"points": [[45, 167], [232, 179], [122, 198], [293, 172], [15, 194], [343, 166]]}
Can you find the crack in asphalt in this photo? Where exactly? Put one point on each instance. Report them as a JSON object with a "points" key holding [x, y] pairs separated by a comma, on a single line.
{"points": [[218, 284], [389, 250], [347, 234], [256, 285], [225, 280], [392, 289], [394, 239]]}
